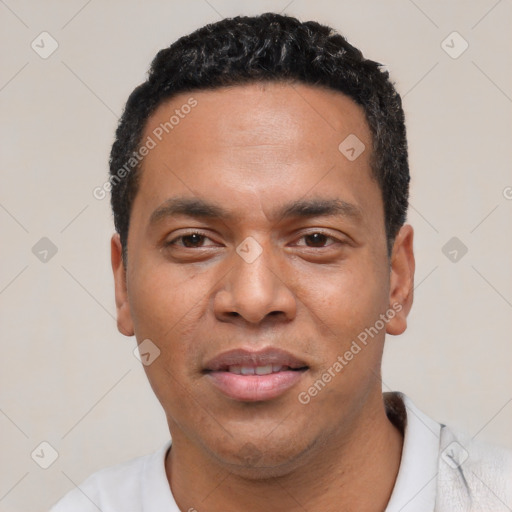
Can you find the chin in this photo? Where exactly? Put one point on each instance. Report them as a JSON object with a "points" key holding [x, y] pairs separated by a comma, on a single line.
{"points": [[259, 460]]}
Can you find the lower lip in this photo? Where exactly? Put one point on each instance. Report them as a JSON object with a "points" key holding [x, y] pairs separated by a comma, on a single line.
{"points": [[254, 388]]}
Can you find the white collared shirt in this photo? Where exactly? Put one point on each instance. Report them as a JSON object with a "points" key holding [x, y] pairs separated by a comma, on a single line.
{"points": [[431, 477], [415, 485]]}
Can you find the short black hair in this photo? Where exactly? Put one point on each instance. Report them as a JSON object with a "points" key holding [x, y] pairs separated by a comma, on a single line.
{"points": [[268, 47]]}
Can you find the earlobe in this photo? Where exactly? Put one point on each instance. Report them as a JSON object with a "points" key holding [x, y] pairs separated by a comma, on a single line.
{"points": [[124, 318], [401, 280]]}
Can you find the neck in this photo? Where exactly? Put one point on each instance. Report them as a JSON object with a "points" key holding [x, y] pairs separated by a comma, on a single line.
{"points": [[338, 476]]}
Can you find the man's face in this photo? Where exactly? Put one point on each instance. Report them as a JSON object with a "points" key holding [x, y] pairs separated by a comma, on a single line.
{"points": [[304, 281]]}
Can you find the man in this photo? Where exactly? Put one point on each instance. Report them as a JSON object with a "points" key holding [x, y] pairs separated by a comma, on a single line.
{"points": [[259, 187]]}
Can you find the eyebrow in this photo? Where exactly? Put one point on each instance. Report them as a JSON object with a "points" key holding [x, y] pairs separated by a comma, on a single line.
{"points": [[301, 208]]}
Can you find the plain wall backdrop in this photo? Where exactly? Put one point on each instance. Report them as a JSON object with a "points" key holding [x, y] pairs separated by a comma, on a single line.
{"points": [[70, 379]]}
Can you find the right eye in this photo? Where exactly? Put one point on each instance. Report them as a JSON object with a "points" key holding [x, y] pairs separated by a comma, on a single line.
{"points": [[190, 240]]}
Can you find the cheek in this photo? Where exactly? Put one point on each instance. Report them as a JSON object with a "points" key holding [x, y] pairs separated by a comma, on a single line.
{"points": [[167, 305], [164, 297], [345, 300], [344, 306]]}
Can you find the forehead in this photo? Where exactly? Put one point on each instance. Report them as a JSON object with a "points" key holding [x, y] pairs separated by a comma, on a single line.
{"points": [[254, 143], [267, 113]]}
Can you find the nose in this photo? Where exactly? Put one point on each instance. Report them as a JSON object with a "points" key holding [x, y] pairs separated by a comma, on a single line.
{"points": [[256, 291]]}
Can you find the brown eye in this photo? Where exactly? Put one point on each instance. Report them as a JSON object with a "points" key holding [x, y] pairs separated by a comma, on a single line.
{"points": [[192, 240], [317, 239]]}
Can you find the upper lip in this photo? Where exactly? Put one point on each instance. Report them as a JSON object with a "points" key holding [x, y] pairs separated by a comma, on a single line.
{"points": [[243, 357]]}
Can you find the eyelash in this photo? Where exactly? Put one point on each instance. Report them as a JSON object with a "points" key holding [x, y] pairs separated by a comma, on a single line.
{"points": [[199, 233]]}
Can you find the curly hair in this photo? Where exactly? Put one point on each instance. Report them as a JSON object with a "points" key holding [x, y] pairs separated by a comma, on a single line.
{"points": [[268, 47]]}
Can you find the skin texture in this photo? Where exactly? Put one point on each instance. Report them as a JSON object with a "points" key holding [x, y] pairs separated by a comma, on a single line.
{"points": [[251, 149]]}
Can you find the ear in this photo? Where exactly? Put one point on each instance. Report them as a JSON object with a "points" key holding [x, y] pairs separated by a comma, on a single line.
{"points": [[401, 280], [124, 317]]}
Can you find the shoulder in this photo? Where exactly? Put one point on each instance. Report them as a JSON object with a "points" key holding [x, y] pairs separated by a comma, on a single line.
{"points": [[114, 488], [452, 469], [473, 475]]}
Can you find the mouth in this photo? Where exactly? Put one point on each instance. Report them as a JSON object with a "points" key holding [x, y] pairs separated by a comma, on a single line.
{"points": [[251, 376], [259, 370]]}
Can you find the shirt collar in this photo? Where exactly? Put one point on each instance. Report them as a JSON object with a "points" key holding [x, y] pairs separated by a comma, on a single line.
{"points": [[156, 491], [415, 486]]}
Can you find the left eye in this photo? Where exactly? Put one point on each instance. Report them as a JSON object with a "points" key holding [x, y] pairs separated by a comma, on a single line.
{"points": [[318, 239]]}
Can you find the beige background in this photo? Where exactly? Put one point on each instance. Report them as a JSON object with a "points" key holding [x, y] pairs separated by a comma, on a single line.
{"points": [[68, 377]]}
